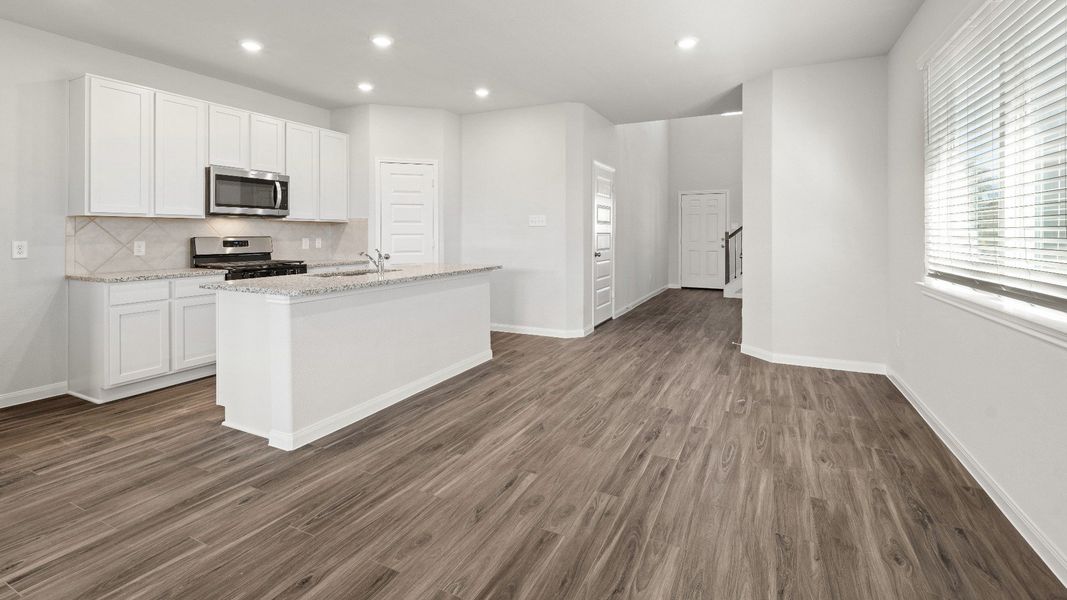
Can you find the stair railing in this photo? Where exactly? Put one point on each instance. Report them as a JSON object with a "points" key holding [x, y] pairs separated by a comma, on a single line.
{"points": [[734, 255]]}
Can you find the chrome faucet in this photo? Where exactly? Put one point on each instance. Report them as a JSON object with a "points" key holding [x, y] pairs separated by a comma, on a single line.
{"points": [[380, 262]]}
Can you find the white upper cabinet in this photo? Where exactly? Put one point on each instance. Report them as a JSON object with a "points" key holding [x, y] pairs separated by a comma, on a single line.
{"points": [[181, 156], [302, 166], [111, 147], [333, 176], [267, 147], [135, 151], [228, 137]]}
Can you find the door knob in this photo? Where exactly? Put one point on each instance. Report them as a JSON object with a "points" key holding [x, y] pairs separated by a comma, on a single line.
{"points": [[596, 254]]}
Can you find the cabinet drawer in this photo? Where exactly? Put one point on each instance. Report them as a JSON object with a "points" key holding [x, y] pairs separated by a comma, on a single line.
{"points": [[189, 288], [147, 291]]}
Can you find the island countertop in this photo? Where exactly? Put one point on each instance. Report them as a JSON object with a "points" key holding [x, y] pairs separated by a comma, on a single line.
{"points": [[296, 286]]}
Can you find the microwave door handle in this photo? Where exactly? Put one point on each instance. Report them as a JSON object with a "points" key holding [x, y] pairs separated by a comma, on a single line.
{"points": [[277, 195]]}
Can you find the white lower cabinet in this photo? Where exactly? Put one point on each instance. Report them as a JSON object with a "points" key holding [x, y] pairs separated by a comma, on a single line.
{"points": [[139, 341], [192, 332], [130, 338]]}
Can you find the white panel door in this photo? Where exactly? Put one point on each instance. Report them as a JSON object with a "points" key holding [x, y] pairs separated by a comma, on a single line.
{"points": [[407, 211], [192, 332], [228, 137], [139, 341], [120, 148], [333, 176], [302, 166], [266, 150], [703, 228], [603, 243], [181, 156]]}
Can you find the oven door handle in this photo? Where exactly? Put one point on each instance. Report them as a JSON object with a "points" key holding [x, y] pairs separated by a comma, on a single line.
{"points": [[277, 195]]}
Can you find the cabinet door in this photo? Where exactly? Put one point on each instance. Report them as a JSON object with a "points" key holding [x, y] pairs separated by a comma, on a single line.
{"points": [[181, 155], [267, 150], [302, 166], [333, 176], [138, 341], [228, 137], [192, 332], [120, 148]]}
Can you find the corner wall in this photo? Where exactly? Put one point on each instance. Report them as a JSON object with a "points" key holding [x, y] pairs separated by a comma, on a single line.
{"points": [[997, 396]]}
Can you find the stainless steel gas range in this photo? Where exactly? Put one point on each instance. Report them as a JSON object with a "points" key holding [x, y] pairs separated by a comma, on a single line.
{"points": [[242, 257]]}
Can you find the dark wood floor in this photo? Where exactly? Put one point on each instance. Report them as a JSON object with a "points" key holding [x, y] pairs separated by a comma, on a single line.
{"points": [[649, 460]]}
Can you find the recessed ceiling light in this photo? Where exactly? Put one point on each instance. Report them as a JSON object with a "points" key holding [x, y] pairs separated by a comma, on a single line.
{"points": [[481, 92], [366, 86], [382, 41], [251, 45], [687, 43], [730, 114]]}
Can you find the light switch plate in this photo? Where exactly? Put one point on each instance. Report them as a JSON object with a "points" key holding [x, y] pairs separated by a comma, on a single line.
{"points": [[20, 250], [305, 243], [138, 247], [538, 220]]}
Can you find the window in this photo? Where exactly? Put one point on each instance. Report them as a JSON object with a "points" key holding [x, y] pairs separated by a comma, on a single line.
{"points": [[996, 153]]}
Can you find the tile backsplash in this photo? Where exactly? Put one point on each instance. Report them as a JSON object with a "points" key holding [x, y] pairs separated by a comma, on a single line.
{"points": [[105, 244]]}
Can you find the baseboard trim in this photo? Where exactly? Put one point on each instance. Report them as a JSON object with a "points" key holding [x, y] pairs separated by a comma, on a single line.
{"points": [[33, 394], [541, 331], [1053, 556], [837, 364], [674, 286], [639, 302], [245, 429], [291, 441]]}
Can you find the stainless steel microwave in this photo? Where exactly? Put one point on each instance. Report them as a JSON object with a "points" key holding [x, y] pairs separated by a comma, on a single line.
{"points": [[244, 192]]}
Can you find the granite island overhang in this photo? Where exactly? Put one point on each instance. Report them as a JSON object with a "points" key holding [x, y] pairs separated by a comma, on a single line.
{"points": [[302, 356]]}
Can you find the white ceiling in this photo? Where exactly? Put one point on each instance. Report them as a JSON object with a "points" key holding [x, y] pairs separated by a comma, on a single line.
{"points": [[617, 56]]}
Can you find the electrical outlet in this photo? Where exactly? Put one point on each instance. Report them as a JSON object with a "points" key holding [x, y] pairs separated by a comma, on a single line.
{"points": [[318, 242], [538, 220], [305, 243], [20, 250], [900, 337], [138, 247]]}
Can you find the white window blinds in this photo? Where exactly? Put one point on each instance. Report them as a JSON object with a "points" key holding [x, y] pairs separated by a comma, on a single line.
{"points": [[996, 153]]}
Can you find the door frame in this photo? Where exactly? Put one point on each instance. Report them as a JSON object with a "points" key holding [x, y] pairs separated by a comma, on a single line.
{"points": [[614, 219], [680, 225], [375, 240]]}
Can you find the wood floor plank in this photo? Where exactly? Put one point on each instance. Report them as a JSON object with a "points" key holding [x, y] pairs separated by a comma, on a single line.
{"points": [[648, 460]]}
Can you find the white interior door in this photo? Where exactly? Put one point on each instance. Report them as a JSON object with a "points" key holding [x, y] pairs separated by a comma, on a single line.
{"points": [[703, 228], [603, 243], [408, 211]]}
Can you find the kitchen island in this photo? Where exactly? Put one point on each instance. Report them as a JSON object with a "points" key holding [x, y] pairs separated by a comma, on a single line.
{"points": [[302, 356]]}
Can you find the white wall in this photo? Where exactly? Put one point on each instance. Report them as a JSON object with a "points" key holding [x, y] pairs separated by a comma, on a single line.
{"points": [[757, 330], [514, 165], [1001, 393], [705, 154], [642, 211], [827, 214], [33, 149], [378, 131]]}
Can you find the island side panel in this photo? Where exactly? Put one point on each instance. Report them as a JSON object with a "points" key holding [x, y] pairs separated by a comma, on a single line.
{"points": [[243, 380], [357, 353]]}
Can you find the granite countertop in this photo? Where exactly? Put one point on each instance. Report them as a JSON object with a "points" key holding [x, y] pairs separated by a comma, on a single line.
{"points": [[296, 286], [124, 276]]}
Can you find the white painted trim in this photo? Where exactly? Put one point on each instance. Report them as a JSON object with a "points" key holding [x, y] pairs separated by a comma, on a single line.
{"points": [[683, 193], [305, 435], [1054, 557], [1042, 323], [245, 429], [674, 286], [32, 394], [837, 364], [592, 255], [639, 302], [541, 331], [375, 229]]}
